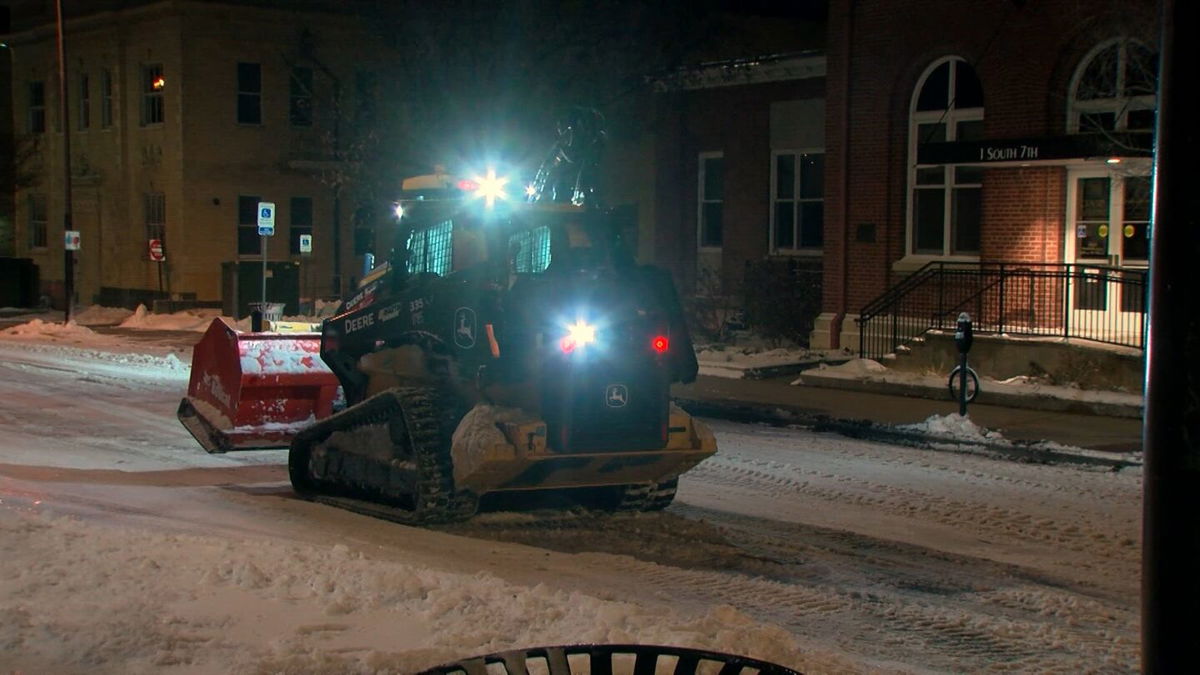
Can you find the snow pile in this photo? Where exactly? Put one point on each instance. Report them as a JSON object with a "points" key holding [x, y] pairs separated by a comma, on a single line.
{"points": [[97, 315], [38, 328], [735, 361], [956, 427], [191, 320], [78, 597]]}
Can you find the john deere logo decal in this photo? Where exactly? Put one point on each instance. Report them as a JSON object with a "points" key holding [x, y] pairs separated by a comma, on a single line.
{"points": [[616, 396], [464, 327]]}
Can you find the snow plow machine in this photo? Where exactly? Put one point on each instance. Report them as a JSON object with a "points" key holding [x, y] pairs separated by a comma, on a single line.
{"points": [[504, 346]]}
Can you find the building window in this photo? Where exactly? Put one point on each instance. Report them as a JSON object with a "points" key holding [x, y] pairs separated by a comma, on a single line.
{"points": [[153, 84], [429, 250], [798, 201], [364, 231], [945, 211], [300, 97], [366, 88], [106, 99], [38, 220], [301, 221], [85, 102], [249, 93], [37, 107], [712, 198], [1114, 89], [154, 205], [249, 243]]}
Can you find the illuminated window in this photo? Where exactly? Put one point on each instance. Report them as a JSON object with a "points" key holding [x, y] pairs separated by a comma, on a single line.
{"points": [[429, 250], [38, 220], [798, 200], [300, 97], [85, 102], [153, 84], [530, 250], [106, 99], [712, 198], [37, 107], [249, 243], [249, 93], [301, 221], [945, 210], [154, 205]]}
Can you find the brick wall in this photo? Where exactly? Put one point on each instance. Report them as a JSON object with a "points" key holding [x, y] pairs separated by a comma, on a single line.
{"points": [[1024, 54]]}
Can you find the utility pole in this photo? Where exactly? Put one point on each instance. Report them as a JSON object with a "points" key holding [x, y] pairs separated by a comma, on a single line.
{"points": [[1171, 425], [65, 117]]}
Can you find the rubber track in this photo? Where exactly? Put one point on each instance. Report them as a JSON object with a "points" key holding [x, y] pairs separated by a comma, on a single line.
{"points": [[420, 421]]}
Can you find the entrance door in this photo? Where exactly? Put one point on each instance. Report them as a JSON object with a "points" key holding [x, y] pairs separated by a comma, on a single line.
{"points": [[1108, 229]]}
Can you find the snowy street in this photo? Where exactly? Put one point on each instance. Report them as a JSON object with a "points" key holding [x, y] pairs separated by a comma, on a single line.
{"points": [[126, 548]]}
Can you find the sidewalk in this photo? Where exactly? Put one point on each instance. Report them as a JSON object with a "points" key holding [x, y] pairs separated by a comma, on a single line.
{"points": [[1040, 428]]}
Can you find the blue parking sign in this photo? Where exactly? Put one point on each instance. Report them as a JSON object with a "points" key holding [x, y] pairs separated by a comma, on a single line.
{"points": [[266, 218]]}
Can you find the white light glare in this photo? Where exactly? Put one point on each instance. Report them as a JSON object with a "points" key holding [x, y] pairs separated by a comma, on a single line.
{"points": [[578, 334], [399, 210], [530, 190], [491, 188], [1114, 160]]}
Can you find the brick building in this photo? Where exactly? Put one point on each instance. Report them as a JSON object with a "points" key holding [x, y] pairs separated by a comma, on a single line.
{"points": [[182, 115], [960, 136], [739, 152]]}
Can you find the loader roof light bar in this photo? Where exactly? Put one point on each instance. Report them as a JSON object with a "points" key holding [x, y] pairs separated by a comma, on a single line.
{"points": [[579, 334]]}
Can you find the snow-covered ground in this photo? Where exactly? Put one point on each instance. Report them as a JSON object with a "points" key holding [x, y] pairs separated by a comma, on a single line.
{"points": [[127, 549]]}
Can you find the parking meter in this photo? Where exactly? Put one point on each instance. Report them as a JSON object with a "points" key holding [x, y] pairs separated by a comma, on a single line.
{"points": [[962, 335], [962, 340]]}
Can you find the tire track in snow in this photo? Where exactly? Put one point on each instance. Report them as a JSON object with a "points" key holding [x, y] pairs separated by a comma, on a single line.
{"points": [[779, 480]]}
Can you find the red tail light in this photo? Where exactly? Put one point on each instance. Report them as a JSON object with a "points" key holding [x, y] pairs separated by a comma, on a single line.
{"points": [[567, 344], [660, 343]]}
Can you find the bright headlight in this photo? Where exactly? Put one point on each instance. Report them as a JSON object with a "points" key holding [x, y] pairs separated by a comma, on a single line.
{"points": [[578, 335]]}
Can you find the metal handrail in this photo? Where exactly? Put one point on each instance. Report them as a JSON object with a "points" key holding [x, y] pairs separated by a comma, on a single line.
{"points": [[1013, 298]]}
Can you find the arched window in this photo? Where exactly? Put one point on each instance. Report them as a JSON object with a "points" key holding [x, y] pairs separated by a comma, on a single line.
{"points": [[1113, 89], [944, 201]]}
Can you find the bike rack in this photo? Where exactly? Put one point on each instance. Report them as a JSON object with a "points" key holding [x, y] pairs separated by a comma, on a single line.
{"points": [[601, 659]]}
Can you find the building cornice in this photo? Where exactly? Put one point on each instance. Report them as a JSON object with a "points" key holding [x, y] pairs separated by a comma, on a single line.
{"points": [[747, 71]]}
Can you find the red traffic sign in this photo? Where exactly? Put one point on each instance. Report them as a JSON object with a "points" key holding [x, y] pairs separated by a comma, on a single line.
{"points": [[156, 250]]}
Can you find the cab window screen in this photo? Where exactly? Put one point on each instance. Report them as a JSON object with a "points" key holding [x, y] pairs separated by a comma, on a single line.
{"points": [[429, 250], [532, 250]]}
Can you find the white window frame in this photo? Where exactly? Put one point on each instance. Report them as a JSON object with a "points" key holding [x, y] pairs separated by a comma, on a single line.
{"points": [[1120, 105], [796, 200], [951, 119], [154, 102], [254, 95], [703, 158]]}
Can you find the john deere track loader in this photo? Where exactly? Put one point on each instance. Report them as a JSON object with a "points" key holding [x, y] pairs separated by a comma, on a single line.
{"points": [[506, 346]]}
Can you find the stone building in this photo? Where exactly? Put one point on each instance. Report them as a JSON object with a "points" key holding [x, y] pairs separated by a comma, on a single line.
{"points": [[183, 115]]}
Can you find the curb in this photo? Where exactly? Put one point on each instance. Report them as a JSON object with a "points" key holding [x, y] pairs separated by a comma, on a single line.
{"points": [[789, 416], [986, 396]]}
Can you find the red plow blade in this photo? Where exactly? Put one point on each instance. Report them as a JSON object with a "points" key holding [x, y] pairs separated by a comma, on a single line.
{"points": [[255, 390]]}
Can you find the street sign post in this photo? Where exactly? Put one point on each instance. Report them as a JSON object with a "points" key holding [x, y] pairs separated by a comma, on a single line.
{"points": [[266, 228]]}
